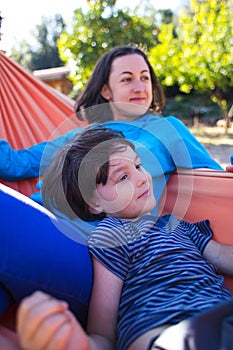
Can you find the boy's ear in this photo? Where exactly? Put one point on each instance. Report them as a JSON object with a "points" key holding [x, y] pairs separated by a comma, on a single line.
{"points": [[96, 210], [94, 206], [106, 93]]}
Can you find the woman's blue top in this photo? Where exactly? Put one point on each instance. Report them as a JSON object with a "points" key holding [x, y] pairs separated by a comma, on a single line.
{"points": [[164, 143]]}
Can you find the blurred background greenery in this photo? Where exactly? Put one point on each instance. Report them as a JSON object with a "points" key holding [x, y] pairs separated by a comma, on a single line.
{"points": [[190, 50]]}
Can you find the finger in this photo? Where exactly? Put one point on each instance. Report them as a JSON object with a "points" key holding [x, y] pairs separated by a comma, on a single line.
{"points": [[34, 310], [32, 318], [34, 302], [61, 337], [29, 302], [34, 298], [49, 333]]}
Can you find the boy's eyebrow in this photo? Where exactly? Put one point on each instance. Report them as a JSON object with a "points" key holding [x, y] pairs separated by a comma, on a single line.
{"points": [[117, 170]]}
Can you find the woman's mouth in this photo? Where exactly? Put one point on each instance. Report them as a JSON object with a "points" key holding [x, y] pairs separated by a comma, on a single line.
{"points": [[137, 100]]}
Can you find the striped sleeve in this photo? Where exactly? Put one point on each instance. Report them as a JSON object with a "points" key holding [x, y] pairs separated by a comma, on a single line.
{"points": [[200, 233], [108, 245]]}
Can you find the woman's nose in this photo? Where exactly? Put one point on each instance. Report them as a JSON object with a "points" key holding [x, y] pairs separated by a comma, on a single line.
{"points": [[138, 86]]}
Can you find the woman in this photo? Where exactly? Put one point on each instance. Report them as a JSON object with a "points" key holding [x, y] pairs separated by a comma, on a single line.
{"points": [[97, 100], [124, 89]]}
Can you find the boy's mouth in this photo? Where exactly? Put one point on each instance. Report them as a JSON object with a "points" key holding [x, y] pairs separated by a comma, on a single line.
{"points": [[144, 194]]}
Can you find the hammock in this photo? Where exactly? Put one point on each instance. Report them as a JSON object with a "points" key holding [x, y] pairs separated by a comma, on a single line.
{"points": [[31, 112], [200, 194]]}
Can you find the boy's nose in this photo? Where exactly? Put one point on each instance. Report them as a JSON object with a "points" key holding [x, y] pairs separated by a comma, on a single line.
{"points": [[142, 178]]}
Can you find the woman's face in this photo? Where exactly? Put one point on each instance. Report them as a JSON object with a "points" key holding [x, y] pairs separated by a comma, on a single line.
{"points": [[129, 90]]}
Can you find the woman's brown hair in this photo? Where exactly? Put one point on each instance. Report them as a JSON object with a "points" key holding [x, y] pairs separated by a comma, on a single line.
{"points": [[91, 96]]}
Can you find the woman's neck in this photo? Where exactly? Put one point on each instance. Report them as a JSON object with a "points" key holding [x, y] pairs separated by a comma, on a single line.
{"points": [[127, 111]]}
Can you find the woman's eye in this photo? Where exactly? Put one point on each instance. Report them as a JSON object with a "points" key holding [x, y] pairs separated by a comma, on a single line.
{"points": [[126, 79], [138, 166], [145, 78]]}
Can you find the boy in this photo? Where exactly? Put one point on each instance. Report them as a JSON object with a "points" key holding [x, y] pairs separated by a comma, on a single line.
{"points": [[149, 273]]}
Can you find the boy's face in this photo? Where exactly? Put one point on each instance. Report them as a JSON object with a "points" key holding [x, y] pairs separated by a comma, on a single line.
{"points": [[128, 192]]}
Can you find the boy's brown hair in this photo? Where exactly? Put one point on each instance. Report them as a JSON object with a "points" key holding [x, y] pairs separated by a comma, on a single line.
{"points": [[70, 180]]}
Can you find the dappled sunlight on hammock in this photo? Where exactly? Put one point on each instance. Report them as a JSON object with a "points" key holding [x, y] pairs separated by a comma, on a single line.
{"points": [[31, 112]]}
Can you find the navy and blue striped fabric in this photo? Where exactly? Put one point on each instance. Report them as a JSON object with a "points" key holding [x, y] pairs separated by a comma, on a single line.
{"points": [[166, 279]]}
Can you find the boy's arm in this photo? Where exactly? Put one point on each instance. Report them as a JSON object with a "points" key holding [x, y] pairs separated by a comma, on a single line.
{"points": [[104, 306], [220, 255]]}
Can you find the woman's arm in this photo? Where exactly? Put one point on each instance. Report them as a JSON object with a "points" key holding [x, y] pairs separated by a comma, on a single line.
{"points": [[187, 151], [20, 164], [26, 162], [220, 255], [44, 322]]}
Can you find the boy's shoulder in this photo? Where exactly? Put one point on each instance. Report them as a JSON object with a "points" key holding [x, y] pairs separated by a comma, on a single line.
{"points": [[109, 233]]}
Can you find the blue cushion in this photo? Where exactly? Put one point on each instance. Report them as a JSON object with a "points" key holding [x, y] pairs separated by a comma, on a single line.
{"points": [[36, 253]]}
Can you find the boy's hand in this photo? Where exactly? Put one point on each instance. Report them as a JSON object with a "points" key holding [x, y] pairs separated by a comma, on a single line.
{"points": [[46, 323]]}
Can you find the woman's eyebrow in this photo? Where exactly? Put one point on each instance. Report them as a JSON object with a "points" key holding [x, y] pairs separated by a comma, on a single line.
{"points": [[128, 72]]}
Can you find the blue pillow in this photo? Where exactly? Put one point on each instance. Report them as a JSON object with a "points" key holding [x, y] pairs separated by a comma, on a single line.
{"points": [[36, 253]]}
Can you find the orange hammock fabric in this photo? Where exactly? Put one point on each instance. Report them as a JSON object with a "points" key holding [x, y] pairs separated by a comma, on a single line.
{"points": [[31, 112], [200, 194]]}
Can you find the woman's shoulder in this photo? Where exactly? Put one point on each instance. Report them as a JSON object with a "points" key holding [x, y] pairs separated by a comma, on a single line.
{"points": [[164, 119]]}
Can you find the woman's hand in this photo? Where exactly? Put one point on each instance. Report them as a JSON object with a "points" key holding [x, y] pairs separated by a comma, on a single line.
{"points": [[45, 323]]}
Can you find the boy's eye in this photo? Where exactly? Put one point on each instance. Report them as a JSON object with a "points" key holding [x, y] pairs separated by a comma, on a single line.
{"points": [[123, 177]]}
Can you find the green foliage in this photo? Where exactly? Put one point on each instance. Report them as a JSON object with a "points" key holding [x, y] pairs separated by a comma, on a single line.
{"points": [[199, 56], [100, 29], [21, 54], [44, 52]]}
